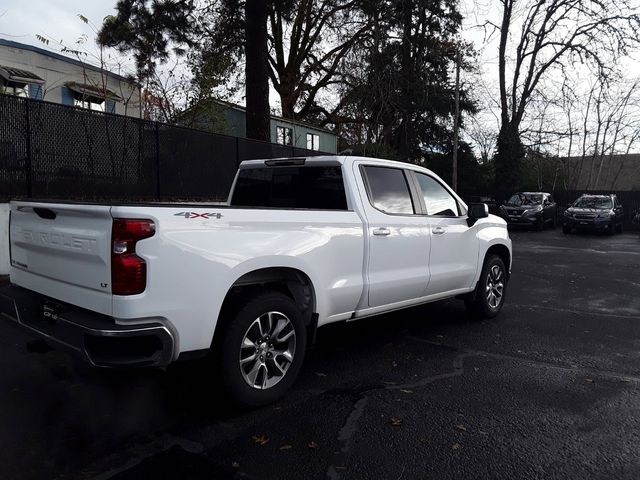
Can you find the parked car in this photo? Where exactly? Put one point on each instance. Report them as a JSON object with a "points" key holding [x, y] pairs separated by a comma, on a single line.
{"points": [[594, 212], [530, 209], [301, 243]]}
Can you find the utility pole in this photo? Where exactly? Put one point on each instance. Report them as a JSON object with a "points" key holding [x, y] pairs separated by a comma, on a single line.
{"points": [[456, 124]]}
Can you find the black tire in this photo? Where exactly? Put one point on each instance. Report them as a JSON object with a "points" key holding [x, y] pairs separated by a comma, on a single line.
{"points": [[611, 229], [479, 305], [566, 230], [620, 228], [243, 321], [540, 223], [554, 221]]}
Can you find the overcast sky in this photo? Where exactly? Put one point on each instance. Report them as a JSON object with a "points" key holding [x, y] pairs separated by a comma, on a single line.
{"points": [[57, 19]]}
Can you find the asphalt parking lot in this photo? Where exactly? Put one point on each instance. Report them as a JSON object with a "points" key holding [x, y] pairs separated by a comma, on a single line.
{"points": [[549, 389]]}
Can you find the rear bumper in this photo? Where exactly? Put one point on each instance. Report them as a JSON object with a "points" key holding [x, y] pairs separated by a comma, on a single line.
{"points": [[95, 337]]}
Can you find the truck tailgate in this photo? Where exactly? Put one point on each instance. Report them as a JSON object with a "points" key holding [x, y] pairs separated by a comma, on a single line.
{"points": [[63, 251]]}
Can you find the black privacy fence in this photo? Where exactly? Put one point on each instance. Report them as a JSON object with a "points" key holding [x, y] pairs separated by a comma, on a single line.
{"points": [[49, 150]]}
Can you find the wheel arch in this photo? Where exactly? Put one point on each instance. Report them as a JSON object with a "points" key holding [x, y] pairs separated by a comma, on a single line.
{"points": [[501, 251], [290, 281]]}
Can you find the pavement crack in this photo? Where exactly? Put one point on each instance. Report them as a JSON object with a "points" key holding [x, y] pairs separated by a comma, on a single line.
{"points": [[504, 356], [345, 435], [458, 370], [577, 312]]}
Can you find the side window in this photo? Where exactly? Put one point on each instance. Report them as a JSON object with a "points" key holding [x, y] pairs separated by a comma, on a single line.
{"points": [[388, 190], [437, 199]]}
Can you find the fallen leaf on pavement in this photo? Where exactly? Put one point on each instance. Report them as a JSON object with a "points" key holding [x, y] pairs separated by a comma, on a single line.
{"points": [[312, 444], [461, 428], [390, 383], [260, 439], [395, 422], [588, 380], [235, 465], [406, 391], [320, 374], [285, 447], [455, 446]]}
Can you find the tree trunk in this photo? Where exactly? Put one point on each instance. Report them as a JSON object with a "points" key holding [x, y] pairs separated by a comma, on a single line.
{"points": [[257, 70], [288, 100], [404, 130], [508, 160]]}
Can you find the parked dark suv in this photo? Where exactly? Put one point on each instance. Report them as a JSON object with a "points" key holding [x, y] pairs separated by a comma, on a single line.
{"points": [[594, 212], [532, 209]]}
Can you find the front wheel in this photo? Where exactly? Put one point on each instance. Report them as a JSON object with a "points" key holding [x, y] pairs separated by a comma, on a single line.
{"points": [[263, 349], [491, 289]]}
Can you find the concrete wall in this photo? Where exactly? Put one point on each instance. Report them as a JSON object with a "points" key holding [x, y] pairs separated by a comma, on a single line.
{"points": [[4, 238], [56, 70]]}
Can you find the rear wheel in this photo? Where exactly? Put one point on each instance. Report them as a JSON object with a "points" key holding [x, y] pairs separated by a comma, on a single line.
{"points": [[540, 223], [263, 349], [566, 230], [620, 228], [491, 289], [611, 228]]}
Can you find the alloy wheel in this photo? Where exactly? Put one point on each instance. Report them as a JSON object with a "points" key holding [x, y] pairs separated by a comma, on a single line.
{"points": [[495, 286], [267, 350]]}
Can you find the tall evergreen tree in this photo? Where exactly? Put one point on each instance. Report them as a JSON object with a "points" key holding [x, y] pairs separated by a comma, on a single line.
{"points": [[400, 95]]}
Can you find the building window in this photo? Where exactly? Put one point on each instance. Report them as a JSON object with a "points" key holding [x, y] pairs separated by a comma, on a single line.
{"points": [[284, 135], [18, 89], [90, 103], [313, 141]]}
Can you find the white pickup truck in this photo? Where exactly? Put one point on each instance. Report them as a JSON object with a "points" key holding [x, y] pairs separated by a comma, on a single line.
{"points": [[300, 243]]}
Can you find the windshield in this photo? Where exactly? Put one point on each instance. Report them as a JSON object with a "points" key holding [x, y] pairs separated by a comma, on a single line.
{"points": [[525, 199], [593, 202]]}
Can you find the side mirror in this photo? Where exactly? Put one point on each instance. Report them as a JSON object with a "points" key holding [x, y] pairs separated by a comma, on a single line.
{"points": [[476, 211]]}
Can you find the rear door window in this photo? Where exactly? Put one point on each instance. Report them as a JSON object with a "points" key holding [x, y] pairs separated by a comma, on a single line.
{"points": [[388, 190]]}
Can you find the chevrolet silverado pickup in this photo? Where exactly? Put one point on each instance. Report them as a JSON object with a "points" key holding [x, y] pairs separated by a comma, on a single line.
{"points": [[300, 243]]}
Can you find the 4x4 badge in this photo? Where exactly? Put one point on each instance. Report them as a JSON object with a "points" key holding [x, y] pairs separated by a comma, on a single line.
{"points": [[198, 215]]}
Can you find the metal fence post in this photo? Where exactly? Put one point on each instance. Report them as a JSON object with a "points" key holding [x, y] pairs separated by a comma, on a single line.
{"points": [[157, 160], [237, 153], [28, 164]]}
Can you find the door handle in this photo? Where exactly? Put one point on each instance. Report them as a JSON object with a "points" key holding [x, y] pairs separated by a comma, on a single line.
{"points": [[438, 230], [382, 231]]}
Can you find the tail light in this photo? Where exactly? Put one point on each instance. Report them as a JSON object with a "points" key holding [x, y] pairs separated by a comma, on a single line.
{"points": [[128, 270]]}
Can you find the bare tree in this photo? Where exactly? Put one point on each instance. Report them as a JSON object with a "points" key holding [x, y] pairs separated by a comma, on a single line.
{"points": [[545, 36]]}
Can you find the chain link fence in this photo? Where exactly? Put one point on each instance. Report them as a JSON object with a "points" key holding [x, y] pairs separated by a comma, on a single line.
{"points": [[53, 151]]}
